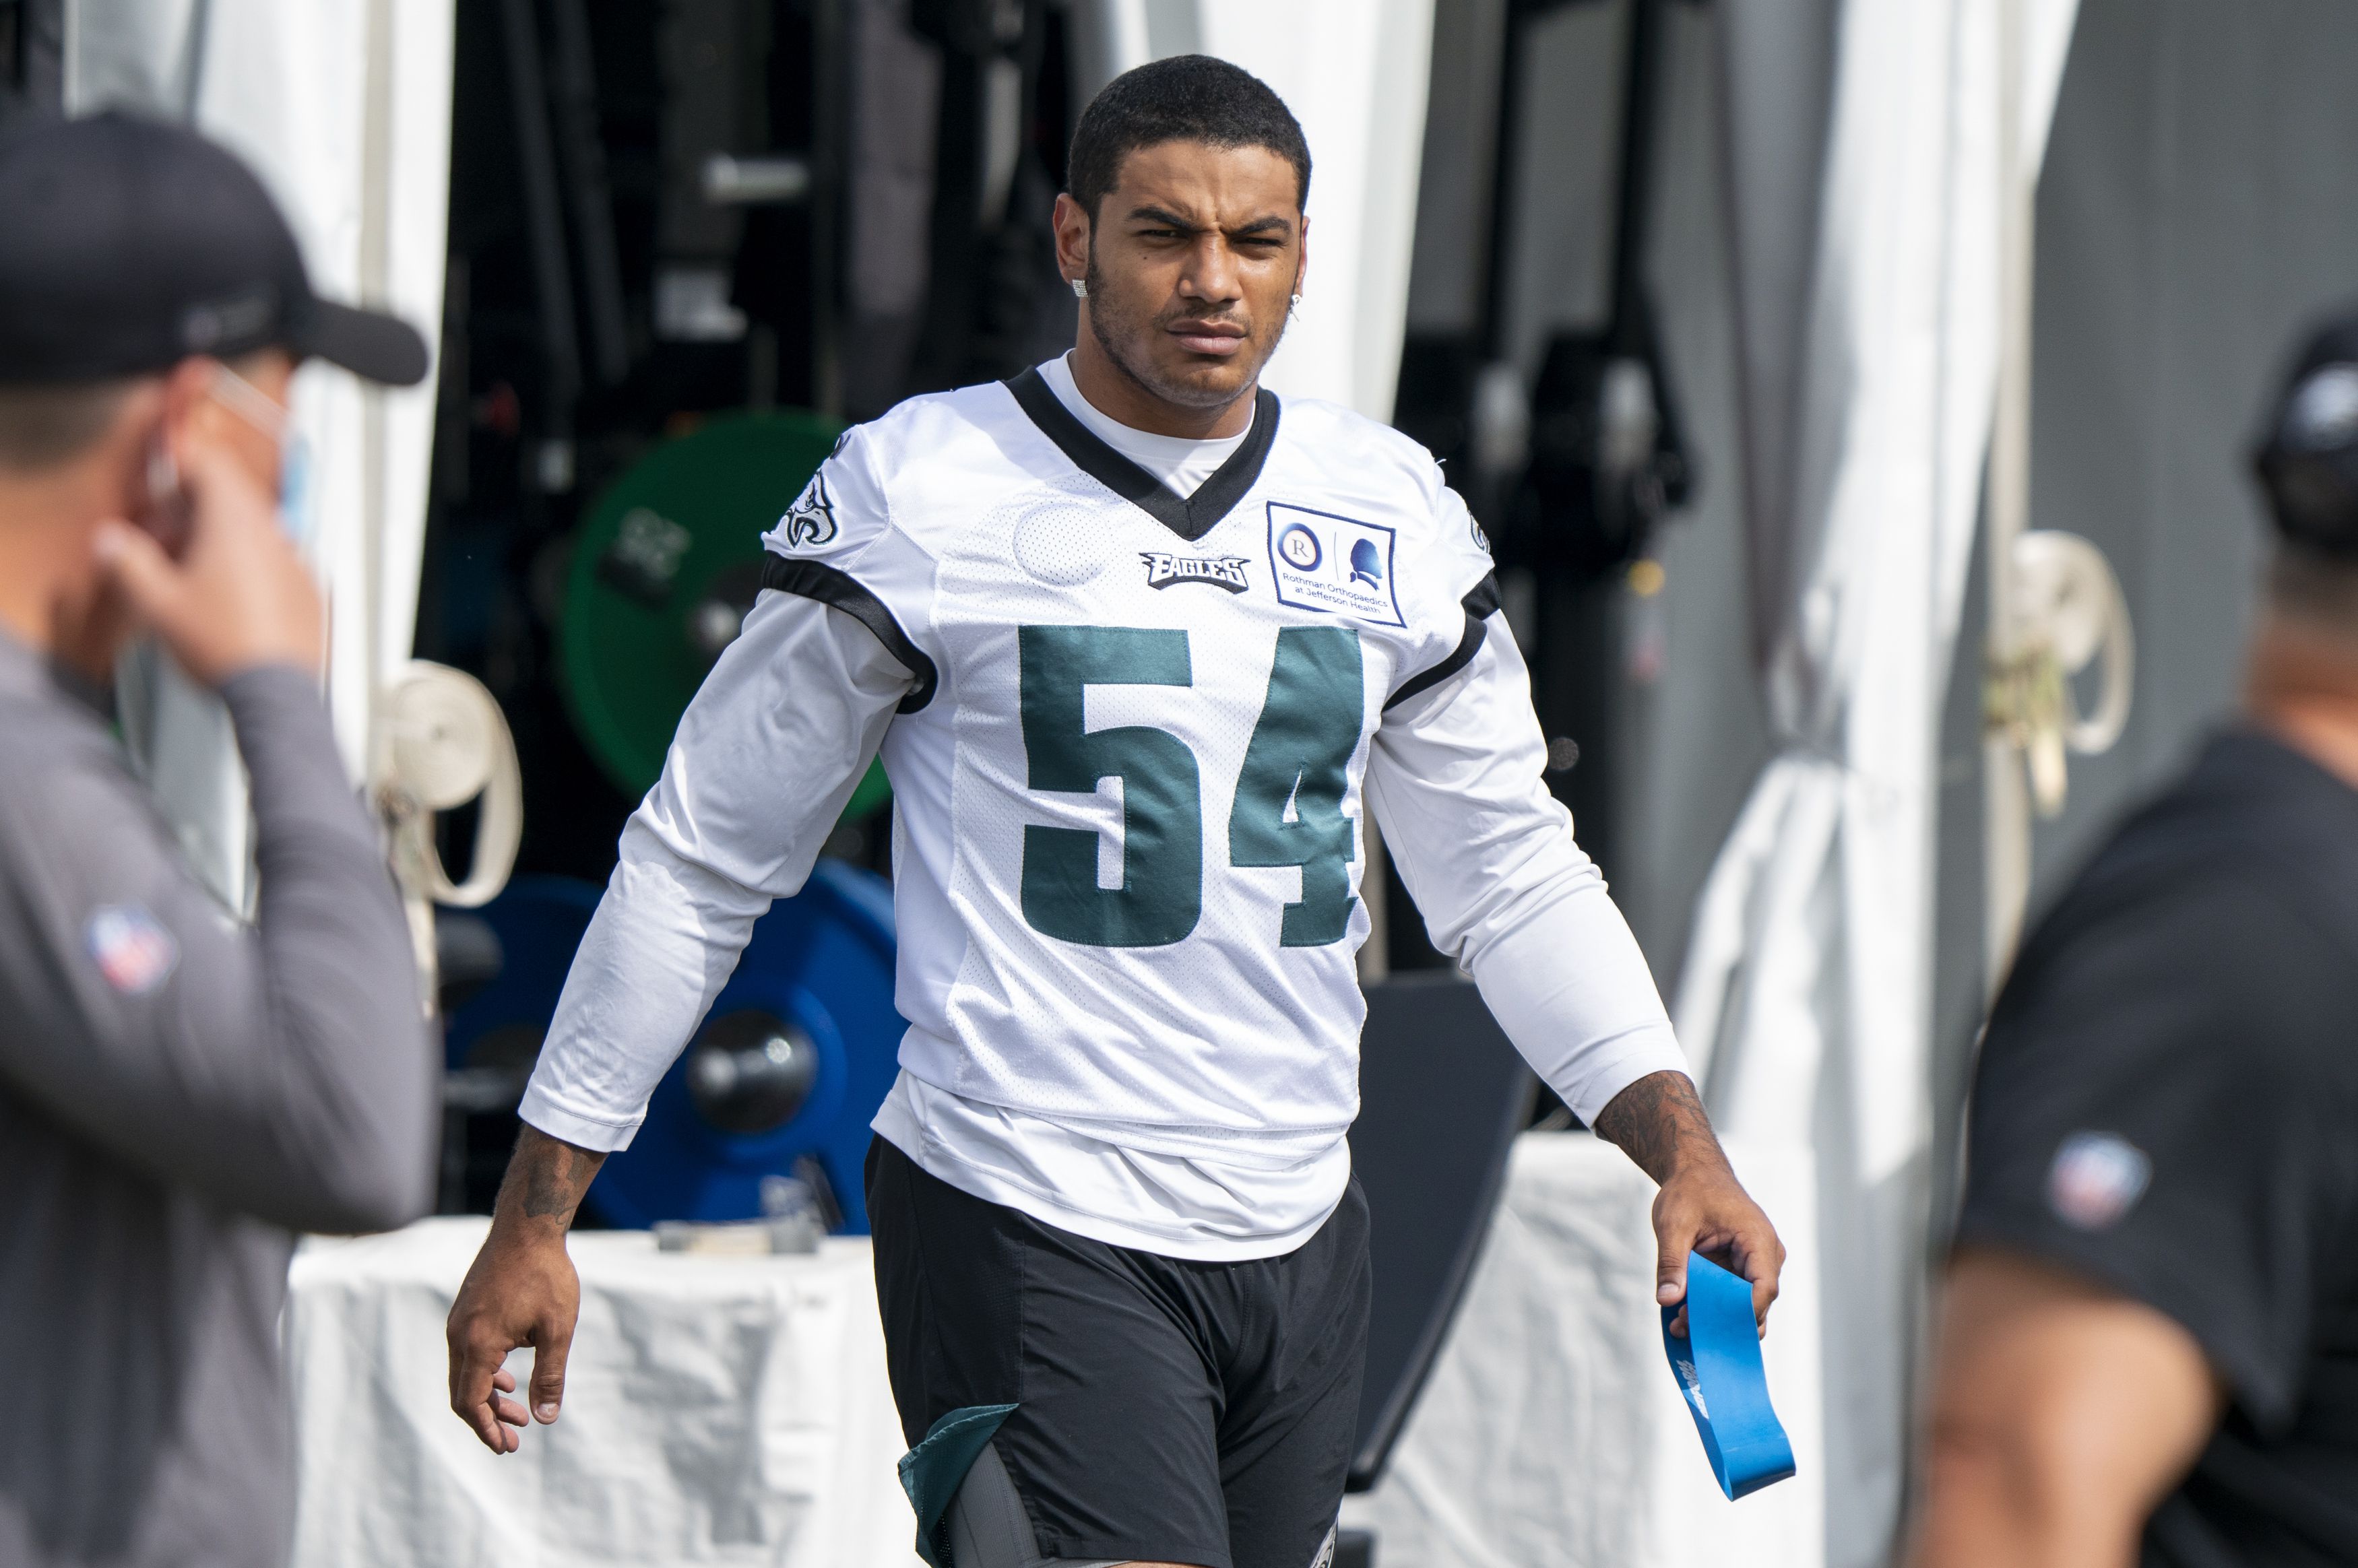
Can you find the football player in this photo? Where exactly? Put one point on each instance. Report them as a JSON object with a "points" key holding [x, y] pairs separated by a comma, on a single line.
{"points": [[1140, 643]]}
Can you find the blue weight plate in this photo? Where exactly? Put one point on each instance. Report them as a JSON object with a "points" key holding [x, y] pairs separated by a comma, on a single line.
{"points": [[821, 963], [539, 922]]}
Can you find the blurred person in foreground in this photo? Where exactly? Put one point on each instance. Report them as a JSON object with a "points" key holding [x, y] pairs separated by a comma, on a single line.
{"points": [[2149, 1346], [179, 1091]]}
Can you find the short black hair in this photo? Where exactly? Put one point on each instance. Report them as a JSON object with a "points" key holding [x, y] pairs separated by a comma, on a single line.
{"points": [[44, 428], [1187, 98]]}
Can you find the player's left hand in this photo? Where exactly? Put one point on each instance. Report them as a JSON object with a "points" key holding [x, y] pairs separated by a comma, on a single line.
{"points": [[1703, 1208]]}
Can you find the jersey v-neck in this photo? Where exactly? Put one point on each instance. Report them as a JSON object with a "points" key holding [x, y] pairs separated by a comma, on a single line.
{"points": [[1190, 518], [1180, 463]]}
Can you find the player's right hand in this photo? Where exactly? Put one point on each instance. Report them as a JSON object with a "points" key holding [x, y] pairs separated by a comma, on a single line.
{"points": [[520, 1290]]}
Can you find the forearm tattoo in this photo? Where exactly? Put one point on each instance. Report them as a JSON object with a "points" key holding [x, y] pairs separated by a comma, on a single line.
{"points": [[550, 1175], [1659, 1122]]}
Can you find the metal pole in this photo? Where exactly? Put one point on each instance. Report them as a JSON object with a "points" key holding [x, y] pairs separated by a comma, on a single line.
{"points": [[831, 60], [2006, 814], [192, 58], [1497, 258], [1641, 92], [573, 99], [544, 220]]}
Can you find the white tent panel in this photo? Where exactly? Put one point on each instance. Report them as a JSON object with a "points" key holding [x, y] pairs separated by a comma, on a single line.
{"points": [[1806, 997], [343, 109]]}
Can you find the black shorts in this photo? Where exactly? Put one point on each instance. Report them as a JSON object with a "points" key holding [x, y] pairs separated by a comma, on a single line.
{"points": [[1166, 1411]]}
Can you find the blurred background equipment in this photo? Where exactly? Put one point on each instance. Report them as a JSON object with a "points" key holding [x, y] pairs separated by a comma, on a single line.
{"points": [[786, 1073], [2053, 601], [1534, 366], [443, 744], [32, 57], [668, 222], [661, 576], [503, 968], [781, 1080]]}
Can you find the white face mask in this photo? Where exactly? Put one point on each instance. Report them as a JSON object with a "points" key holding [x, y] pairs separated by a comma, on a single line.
{"points": [[256, 409]]}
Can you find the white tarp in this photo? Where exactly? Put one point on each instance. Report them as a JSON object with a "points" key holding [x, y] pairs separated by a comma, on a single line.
{"points": [[716, 1410], [343, 108], [1869, 346]]}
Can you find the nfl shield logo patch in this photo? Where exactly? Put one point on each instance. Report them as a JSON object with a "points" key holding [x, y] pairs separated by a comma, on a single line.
{"points": [[2096, 1178], [132, 950]]}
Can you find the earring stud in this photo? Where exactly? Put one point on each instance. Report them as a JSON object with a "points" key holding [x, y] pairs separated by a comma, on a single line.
{"points": [[1081, 289], [1297, 302]]}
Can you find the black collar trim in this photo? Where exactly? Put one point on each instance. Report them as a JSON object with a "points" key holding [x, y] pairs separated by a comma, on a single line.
{"points": [[1190, 519]]}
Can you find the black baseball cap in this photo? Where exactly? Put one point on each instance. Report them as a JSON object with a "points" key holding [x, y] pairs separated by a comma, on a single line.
{"points": [[129, 244], [2308, 455]]}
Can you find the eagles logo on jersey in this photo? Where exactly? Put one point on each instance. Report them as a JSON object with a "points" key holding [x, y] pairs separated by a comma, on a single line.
{"points": [[810, 521], [1164, 567]]}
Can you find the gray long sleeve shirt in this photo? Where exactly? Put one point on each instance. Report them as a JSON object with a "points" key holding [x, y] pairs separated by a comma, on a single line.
{"points": [[180, 1093]]}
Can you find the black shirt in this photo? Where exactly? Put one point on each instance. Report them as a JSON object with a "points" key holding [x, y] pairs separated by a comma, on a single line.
{"points": [[2167, 1104]]}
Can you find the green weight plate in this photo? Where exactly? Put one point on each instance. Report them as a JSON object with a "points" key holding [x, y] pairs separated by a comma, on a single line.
{"points": [[874, 791], [669, 558]]}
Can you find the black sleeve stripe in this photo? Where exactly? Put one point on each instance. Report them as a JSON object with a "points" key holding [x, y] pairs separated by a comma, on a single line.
{"points": [[815, 579], [1480, 603], [1467, 647]]}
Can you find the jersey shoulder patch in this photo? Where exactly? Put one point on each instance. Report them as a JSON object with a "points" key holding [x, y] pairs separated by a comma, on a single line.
{"points": [[857, 538], [841, 511]]}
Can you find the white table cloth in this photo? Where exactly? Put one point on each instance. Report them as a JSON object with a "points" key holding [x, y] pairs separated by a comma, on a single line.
{"points": [[716, 1410]]}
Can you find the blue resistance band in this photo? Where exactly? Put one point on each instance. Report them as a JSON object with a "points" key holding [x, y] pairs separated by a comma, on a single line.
{"points": [[1719, 1371]]}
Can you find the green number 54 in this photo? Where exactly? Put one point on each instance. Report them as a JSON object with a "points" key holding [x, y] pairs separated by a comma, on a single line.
{"points": [[1289, 800]]}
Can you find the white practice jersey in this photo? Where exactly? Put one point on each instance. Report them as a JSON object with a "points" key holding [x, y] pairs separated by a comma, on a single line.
{"points": [[1132, 739]]}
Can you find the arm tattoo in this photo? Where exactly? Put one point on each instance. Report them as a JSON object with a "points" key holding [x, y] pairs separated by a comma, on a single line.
{"points": [[1658, 1121], [550, 1175]]}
